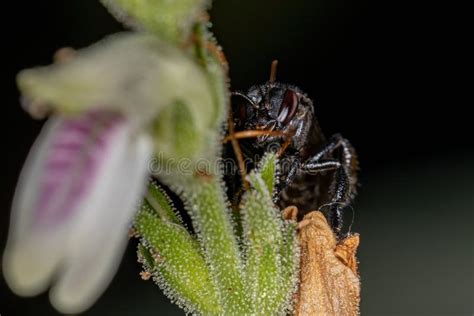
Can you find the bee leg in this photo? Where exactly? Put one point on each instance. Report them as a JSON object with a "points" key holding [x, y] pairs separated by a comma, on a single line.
{"points": [[344, 164], [339, 189], [341, 198], [290, 166], [322, 166]]}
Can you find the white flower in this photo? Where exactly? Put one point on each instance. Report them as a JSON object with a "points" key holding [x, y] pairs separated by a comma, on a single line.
{"points": [[77, 194], [85, 175]]}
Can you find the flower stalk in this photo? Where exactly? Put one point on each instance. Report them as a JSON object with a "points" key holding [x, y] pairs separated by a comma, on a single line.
{"points": [[160, 92]]}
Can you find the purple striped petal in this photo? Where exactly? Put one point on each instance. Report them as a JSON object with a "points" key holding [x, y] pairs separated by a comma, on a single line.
{"points": [[76, 149], [77, 194]]}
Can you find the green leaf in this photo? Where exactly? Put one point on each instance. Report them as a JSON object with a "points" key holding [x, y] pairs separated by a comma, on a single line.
{"points": [[175, 259], [170, 20]]}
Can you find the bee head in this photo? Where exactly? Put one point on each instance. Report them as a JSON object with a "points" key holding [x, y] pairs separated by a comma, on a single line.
{"points": [[272, 106]]}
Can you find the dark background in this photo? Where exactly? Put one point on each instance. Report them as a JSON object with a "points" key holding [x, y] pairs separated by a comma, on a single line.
{"points": [[379, 74]]}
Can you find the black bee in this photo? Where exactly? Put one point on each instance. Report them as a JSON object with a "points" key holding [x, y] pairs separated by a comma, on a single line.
{"points": [[315, 172]]}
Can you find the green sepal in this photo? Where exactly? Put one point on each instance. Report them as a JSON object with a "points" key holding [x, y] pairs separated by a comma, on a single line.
{"points": [[290, 261], [134, 74], [170, 20], [263, 240], [211, 218], [270, 244], [175, 259], [177, 137], [161, 203], [267, 171]]}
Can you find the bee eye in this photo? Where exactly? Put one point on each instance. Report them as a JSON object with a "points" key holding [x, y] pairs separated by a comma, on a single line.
{"points": [[288, 107], [241, 106]]}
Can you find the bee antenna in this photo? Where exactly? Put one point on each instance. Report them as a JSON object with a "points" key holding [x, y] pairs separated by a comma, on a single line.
{"points": [[242, 95], [273, 71]]}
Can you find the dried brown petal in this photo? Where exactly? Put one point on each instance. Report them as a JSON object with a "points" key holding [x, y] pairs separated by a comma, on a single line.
{"points": [[329, 284], [290, 213], [346, 251]]}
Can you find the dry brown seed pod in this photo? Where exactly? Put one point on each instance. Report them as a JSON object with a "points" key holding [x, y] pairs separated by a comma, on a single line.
{"points": [[329, 283]]}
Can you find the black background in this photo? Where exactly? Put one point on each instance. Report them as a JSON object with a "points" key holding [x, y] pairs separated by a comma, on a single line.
{"points": [[379, 73]]}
